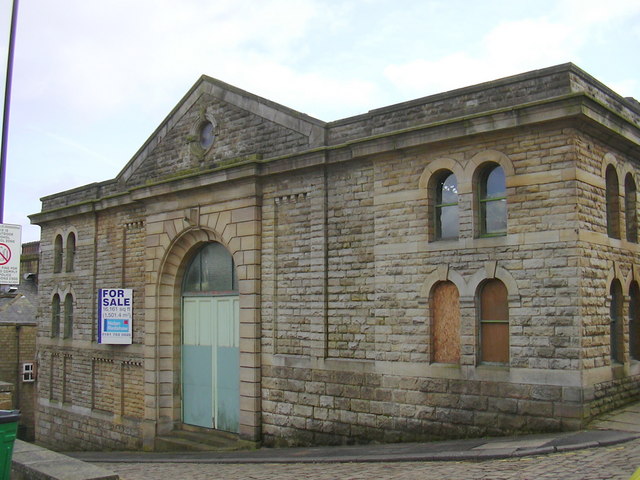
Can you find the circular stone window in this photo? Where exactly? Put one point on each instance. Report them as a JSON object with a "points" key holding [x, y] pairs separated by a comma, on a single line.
{"points": [[206, 135]]}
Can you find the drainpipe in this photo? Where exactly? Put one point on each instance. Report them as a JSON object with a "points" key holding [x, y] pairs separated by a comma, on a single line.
{"points": [[18, 370]]}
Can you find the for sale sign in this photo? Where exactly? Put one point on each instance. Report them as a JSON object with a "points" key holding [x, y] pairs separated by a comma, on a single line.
{"points": [[10, 248], [115, 316]]}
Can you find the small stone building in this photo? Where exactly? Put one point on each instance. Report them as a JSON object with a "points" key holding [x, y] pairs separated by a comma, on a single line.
{"points": [[18, 329], [461, 264]]}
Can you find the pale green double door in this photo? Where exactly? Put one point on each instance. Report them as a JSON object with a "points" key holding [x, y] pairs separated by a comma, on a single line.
{"points": [[211, 362]]}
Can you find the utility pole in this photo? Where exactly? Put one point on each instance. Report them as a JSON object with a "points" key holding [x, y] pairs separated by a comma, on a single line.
{"points": [[7, 106]]}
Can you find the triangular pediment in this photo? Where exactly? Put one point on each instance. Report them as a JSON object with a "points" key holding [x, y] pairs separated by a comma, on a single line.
{"points": [[243, 126]]}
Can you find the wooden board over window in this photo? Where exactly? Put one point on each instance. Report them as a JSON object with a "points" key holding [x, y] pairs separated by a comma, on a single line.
{"points": [[446, 323]]}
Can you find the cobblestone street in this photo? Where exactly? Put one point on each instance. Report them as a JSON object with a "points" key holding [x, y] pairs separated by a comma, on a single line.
{"points": [[616, 462]]}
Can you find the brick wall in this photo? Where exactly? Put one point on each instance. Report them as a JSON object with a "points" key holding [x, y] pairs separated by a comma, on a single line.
{"points": [[6, 396], [17, 346]]}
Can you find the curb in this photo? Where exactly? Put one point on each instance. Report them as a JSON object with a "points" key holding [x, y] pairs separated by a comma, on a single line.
{"points": [[426, 456]]}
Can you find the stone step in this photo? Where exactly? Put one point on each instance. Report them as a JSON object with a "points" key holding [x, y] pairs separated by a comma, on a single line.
{"points": [[187, 440]]}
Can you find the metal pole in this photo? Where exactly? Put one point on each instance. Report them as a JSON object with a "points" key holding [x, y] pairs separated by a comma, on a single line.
{"points": [[7, 106]]}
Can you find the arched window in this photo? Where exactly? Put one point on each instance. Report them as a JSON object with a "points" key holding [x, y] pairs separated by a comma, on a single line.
{"points": [[57, 254], [634, 321], [446, 206], [70, 252], [55, 316], [445, 333], [616, 332], [494, 322], [211, 272], [630, 209], [612, 203], [492, 200], [68, 316]]}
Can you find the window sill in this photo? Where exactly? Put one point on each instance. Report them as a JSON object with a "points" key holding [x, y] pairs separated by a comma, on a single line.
{"points": [[494, 366]]}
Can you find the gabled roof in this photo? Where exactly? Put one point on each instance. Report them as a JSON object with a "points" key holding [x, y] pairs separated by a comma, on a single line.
{"points": [[267, 109], [559, 92]]}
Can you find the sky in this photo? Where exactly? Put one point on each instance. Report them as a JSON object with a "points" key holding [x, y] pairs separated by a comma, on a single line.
{"points": [[92, 79]]}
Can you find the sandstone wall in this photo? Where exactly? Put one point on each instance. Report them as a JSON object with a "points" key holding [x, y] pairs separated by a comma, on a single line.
{"points": [[91, 395], [377, 378]]}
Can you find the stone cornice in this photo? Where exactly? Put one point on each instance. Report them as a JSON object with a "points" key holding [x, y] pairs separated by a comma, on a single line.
{"points": [[592, 114]]}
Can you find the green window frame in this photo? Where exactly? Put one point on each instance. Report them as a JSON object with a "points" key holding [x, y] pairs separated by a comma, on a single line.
{"points": [[492, 201], [447, 224]]}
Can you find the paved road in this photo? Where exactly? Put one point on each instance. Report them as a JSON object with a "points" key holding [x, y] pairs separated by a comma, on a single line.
{"points": [[604, 463]]}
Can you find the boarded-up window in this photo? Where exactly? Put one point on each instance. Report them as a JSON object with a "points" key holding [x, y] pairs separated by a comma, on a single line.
{"points": [[634, 321], [616, 322], [445, 307], [494, 322], [613, 203]]}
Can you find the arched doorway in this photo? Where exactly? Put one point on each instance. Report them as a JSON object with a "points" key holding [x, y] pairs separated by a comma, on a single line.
{"points": [[210, 341]]}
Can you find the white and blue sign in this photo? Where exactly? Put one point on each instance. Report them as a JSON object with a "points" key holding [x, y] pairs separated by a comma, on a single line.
{"points": [[115, 316]]}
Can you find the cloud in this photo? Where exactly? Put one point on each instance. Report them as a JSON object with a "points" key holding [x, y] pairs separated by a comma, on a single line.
{"points": [[97, 58], [507, 49], [515, 46]]}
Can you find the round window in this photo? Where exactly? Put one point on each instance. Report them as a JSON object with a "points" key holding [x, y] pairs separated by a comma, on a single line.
{"points": [[206, 135]]}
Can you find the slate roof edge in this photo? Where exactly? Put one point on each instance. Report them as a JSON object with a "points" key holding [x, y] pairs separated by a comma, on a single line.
{"points": [[569, 68]]}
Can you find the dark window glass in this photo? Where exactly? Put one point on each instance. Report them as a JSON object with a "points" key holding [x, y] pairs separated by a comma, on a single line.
{"points": [[616, 322], [68, 316], [55, 316], [613, 203], [70, 252], [206, 135], [57, 254], [630, 210], [634, 321], [447, 206], [493, 201], [494, 322], [211, 271], [496, 185]]}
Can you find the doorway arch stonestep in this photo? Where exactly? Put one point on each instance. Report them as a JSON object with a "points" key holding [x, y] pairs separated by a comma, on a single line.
{"points": [[194, 439], [210, 341]]}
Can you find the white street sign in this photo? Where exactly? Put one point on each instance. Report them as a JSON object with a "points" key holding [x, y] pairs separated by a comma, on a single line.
{"points": [[10, 250]]}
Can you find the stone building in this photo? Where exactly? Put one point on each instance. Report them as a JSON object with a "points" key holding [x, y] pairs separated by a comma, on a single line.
{"points": [[461, 264], [18, 329]]}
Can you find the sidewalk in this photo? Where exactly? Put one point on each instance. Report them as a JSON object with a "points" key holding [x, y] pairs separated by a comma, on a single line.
{"points": [[621, 426]]}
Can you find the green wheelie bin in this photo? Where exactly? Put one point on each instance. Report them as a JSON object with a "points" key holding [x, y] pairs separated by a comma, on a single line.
{"points": [[8, 430]]}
